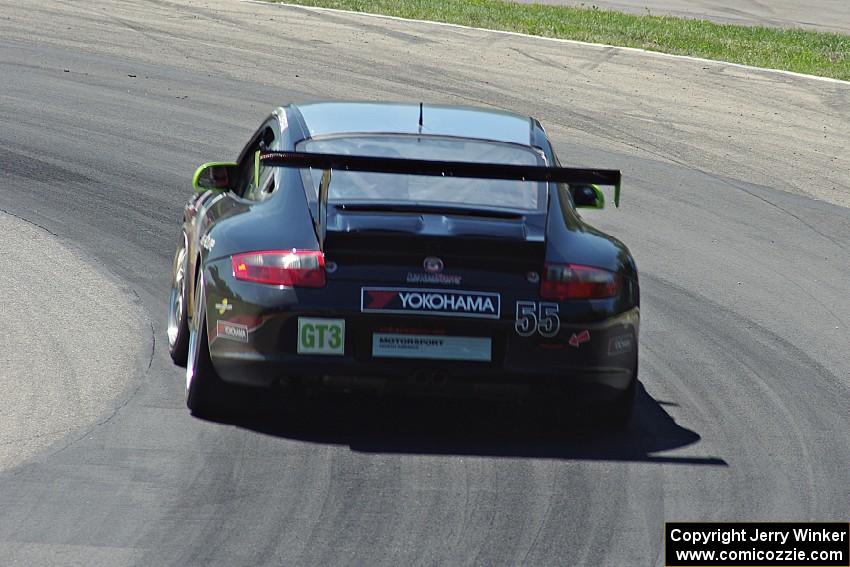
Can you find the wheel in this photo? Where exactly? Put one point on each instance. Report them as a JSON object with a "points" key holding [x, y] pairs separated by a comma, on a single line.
{"points": [[206, 393], [178, 328]]}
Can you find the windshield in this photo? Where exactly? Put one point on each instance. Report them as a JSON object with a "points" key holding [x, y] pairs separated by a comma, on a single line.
{"points": [[417, 189]]}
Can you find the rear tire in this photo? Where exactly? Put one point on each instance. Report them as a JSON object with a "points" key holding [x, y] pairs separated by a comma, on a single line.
{"points": [[178, 327], [206, 394]]}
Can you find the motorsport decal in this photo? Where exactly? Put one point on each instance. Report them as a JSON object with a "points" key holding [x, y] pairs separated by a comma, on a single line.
{"points": [[620, 344], [321, 336], [223, 306], [578, 338], [232, 331], [437, 347], [444, 302]]}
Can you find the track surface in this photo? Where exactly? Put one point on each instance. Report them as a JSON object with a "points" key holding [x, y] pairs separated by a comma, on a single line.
{"points": [[744, 354], [51, 378], [820, 15]]}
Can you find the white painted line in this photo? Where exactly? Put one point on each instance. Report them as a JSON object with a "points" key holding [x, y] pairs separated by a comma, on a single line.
{"points": [[555, 39]]}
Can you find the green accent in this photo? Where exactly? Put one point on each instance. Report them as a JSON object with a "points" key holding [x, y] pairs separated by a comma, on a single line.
{"points": [[801, 51], [198, 172], [257, 168], [600, 198], [306, 337], [336, 337], [321, 336], [323, 207], [617, 195]]}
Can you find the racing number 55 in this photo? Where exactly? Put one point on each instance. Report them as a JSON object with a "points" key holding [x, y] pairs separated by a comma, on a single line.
{"points": [[533, 317]]}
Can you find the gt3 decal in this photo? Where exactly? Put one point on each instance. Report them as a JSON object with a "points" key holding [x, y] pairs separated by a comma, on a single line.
{"points": [[578, 338], [442, 302], [232, 331], [533, 317], [321, 336]]}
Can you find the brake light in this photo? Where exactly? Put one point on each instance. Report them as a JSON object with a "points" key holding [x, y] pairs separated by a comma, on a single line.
{"points": [[294, 268], [571, 281]]}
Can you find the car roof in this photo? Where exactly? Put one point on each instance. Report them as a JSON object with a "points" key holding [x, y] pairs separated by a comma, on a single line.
{"points": [[335, 118]]}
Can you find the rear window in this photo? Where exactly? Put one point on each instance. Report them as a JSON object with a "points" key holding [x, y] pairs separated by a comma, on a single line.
{"points": [[394, 188]]}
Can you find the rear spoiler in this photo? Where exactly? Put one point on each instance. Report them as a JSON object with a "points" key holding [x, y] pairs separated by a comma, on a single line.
{"points": [[467, 169], [328, 162]]}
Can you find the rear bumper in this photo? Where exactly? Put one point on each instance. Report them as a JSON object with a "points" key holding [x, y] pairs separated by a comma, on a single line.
{"points": [[519, 366], [426, 377], [529, 344]]}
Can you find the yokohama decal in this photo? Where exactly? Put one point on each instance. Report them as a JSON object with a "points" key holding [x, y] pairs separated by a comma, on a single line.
{"points": [[444, 302], [232, 331]]}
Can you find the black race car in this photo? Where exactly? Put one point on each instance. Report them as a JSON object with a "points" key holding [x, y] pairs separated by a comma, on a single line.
{"points": [[425, 249]]}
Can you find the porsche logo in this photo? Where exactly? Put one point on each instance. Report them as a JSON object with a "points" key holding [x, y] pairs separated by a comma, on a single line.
{"points": [[432, 265]]}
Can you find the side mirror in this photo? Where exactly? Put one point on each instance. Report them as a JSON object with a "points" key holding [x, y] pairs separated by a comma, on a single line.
{"points": [[217, 175], [588, 196]]}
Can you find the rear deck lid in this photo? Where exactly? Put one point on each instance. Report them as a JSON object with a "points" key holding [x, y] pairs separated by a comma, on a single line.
{"points": [[390, 205]]}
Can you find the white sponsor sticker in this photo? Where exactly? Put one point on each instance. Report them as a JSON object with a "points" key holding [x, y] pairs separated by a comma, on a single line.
{"points": [[447, 302], [620, 344], [232, 331], [437, 347], [321, 336]]}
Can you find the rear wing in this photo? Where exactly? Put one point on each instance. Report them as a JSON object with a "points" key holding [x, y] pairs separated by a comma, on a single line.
{"points": [[329, 162]]}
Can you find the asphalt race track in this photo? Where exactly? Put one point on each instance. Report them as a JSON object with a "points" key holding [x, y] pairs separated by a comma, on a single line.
{"points": [[733, 181]]}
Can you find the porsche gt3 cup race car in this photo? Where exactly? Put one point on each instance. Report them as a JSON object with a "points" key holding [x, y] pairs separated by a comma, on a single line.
{"points": [[402, 247]]}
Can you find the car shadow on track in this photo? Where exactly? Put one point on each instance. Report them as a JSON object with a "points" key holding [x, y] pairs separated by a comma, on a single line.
{"points": [[464, 427]]}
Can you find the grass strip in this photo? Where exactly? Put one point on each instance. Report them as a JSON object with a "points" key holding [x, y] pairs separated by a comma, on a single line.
{"points": [[801, 51]]}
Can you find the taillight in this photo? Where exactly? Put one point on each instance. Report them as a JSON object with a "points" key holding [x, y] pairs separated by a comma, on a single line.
{"points": [[571, 281], [294, 268]]}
